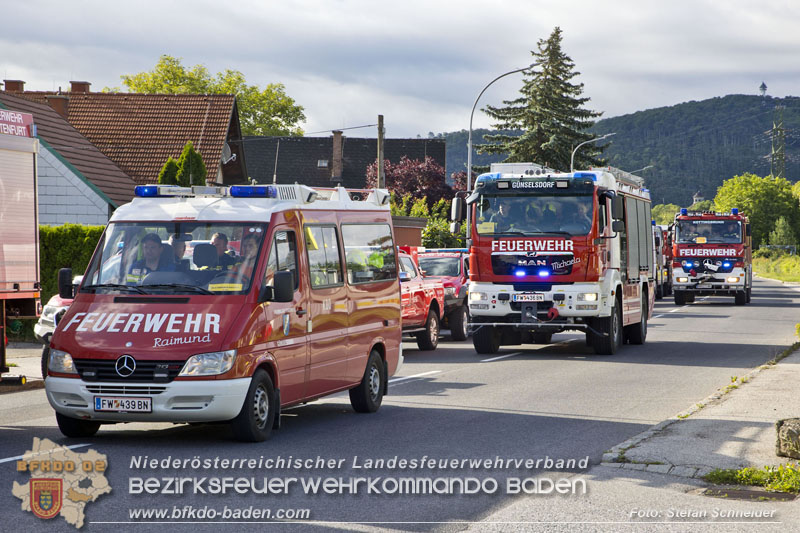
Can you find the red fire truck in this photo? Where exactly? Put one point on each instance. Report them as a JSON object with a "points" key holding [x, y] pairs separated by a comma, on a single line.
{"points": [[310, 307], [712, 256], [662, 250], [559, 251]]}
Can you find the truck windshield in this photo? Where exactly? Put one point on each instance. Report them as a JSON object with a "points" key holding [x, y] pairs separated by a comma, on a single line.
{"points": [[709, 231], [440, 266], [531, 215], [176, 258]]}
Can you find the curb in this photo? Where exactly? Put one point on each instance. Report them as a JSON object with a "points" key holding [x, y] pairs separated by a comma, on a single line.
{"points": [[615, 457]]}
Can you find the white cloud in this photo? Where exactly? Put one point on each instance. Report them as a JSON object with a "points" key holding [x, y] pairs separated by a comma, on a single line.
{"points": [[419, 63]]}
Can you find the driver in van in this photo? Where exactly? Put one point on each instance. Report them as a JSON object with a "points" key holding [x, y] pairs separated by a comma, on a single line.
{"points": [[151, 260]]}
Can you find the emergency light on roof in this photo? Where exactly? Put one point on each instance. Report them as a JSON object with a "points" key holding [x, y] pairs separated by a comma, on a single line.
{"points": [[653, 222], [254, 191], [585, 175], [154, 191], [734, 211], [684, 211]]}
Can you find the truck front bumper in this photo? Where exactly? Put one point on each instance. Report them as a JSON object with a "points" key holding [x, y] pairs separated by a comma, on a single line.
{"points": [[177, 401], [720, 284]]}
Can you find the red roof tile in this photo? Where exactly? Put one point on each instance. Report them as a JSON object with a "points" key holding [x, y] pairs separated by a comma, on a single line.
{"points": [[140, 131], [74, 147]]}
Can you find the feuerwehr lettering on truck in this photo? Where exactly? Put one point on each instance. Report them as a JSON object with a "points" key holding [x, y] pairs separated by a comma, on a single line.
{"points": [[530, 245], [710, 252], [205, 323]]}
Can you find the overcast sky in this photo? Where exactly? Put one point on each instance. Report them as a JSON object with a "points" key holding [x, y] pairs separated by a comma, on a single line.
{"points": [[419, 63]]}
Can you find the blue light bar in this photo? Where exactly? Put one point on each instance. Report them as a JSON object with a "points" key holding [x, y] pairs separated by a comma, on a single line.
{"points": [[684, 211], [726, 264], [585, 175], [253, 191], [734, 211], [146, 191]]}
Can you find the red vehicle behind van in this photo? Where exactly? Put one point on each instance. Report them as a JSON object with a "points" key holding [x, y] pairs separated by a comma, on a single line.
{"points": [[310, 306]]}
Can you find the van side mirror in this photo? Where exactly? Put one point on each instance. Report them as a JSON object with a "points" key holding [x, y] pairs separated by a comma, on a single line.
{"points": [[65, 290], [283, 286], [618, 226], [617, 208], [457, 210], [455, 228]]}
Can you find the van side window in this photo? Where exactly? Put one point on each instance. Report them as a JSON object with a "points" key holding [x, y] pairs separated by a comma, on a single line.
{"points": [[369, 254], [282, 256], [324, 264]]}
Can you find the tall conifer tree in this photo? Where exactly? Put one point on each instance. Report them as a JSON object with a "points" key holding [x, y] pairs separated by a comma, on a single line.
{"points": [[549, 113]]}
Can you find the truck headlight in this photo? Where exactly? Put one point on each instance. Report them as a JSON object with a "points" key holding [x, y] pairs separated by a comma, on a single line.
{"points": [[683, 280], [587, 296], [209, 364], [61, 362], [475, 296], [449, 291], [49, 311]]}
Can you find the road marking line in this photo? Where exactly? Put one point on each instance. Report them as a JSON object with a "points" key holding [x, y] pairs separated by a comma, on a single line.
{"points": [[394, 380], [7, 459], [501, 357], [658, 316]]}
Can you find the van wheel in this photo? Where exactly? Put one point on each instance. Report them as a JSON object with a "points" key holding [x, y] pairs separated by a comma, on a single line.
{"points": [[542, 338], [255, 420], [637, 333], [458, 324], [740, 298], [612, 326], [368, 395], [45, 360], [76, 428], [486, 340], [429, 339]]}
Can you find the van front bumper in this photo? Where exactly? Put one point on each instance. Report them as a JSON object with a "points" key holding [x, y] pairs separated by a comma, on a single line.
{"points": [[178, 401]]}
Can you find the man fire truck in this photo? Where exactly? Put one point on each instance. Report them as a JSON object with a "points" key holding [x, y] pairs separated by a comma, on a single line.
{"points": [[559, 251], [712, 256]]}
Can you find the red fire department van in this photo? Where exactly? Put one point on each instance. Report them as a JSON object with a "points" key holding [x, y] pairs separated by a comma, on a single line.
{"points": [[551, 252], [310, 306], [712, 256]]}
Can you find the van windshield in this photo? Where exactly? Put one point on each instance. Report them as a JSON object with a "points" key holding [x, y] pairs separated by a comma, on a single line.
{"points": [[176, 258]]}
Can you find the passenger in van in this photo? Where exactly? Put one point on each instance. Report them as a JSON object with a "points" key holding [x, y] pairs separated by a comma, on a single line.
{"points": [[152, 261], [178, 243], [247, 261], [220, 242]]}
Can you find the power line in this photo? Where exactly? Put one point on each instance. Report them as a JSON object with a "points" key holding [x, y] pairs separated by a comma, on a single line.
{"points": [[342, 129]]}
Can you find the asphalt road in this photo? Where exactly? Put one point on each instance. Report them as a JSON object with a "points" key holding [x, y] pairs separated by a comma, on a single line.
{"points": [[558, 401]]}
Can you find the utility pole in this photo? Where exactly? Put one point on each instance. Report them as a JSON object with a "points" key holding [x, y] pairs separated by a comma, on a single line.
{"points": [[381, 175], [777, 165]]}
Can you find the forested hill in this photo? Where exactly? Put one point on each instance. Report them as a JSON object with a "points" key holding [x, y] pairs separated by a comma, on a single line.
{"points": [[694, 146]]}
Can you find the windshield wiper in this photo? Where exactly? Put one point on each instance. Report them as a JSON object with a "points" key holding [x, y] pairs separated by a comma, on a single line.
{"points": [[182, 286], [117, 286]]}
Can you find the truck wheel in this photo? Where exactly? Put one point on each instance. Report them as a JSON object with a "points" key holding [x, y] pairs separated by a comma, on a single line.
{"points": [[76, 428], [749, 294], [429, 339], [542, 338], [690, 298], [740, 298], [660, 292], [486, 340], [680, 298], [368, 395], [255, 420], [637, 333], [612, 326], [45, 360], [458, 324]]}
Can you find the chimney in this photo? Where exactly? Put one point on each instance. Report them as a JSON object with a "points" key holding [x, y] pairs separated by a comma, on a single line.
{"points": [[336, 169], [59, 102], [16, 86], [80, 86]]}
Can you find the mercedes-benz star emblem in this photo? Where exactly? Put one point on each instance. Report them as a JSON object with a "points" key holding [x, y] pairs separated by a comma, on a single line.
{"points": [[125, 366]]}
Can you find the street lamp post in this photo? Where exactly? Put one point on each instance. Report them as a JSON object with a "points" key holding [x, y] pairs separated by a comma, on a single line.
{"points": [[572, 157], [469, 138]]}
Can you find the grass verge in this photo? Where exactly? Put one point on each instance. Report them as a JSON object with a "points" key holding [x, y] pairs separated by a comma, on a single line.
{"points": [[782, 478]]}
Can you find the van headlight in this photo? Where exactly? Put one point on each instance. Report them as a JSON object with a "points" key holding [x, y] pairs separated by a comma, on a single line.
{"points": [[475, 296], [587, 296], [209, 364], [449, 291], [61, 362]]}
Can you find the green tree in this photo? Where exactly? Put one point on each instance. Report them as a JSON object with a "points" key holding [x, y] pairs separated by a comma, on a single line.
{"points": [[796, 190], [261, 112], [782, 235], [763, 200], [664, 214], [705, 205], [420, 208], [169, 173], [437, 234], [191, 168], [549, 113]]}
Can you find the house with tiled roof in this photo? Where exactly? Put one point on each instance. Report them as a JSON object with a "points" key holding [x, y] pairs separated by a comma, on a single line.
{"points": [[328, 161], [139, 132], [77, 182]]}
